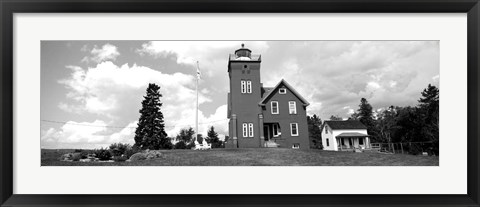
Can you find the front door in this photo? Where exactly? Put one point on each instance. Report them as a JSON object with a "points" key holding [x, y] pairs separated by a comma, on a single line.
{"points": [[266, 132]]}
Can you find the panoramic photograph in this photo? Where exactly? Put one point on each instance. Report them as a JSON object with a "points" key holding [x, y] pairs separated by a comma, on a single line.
{"points": [[239, 103]]}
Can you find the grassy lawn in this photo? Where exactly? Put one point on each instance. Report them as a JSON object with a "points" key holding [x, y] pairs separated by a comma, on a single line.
{"points": [[258, 157]]}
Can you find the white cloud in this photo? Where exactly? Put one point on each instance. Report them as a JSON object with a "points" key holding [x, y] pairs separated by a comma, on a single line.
{"points": [[393, 83], [86, 135], [188, 52], [212, 55], [350, 111], [332, 74], [126, 135], [97, 54], [105, 89], [371, 86]]}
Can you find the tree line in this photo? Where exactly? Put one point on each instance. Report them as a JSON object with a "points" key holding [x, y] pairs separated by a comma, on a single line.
{"points": [[394, 124]]}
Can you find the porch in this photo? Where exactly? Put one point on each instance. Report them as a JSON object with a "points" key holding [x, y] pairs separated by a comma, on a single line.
{"points": [[271, 132], [353, 141]]}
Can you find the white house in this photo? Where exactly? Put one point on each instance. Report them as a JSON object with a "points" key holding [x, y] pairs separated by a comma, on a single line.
{"points": [[345, 136]]}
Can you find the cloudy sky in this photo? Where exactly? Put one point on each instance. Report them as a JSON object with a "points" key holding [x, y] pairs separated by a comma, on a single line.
{"points": [[91, 91]]}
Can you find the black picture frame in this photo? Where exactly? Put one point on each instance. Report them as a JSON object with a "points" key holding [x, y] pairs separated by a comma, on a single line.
{"points": [[10, 7]]}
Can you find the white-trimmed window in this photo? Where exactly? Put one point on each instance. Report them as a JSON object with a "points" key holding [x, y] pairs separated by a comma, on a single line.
{"points": [[245, 130], [294, 129], [328, 143], [249, 86], [274, 106], [250, 129], [282, 91], [292, 107], [243, 86]]}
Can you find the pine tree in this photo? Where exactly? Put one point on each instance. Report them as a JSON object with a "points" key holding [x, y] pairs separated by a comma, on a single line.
{"points": [[212, 138], [429, 102], [314, 131], [429, 114], [150, 132], [365, 115]]}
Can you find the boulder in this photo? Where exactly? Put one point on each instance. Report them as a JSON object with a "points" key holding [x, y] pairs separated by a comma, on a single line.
{"points": [[66, 157], [76, 156], [85, 160], [138, 156], [152, 154], [147, 155]]}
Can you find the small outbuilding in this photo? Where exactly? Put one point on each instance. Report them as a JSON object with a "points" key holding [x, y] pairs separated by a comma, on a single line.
{"points": [[346, 135]]}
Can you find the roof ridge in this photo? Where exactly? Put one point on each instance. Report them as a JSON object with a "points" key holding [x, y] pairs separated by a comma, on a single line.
{"points": [[305, 102]]}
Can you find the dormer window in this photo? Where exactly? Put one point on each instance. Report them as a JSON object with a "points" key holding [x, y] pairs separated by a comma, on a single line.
{"points": [[282, 91]]}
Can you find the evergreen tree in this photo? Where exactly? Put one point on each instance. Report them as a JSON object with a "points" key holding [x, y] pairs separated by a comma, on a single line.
{"points": [[429, 104], [150, 132], [429, 114], [315, 131], [212, 138], [365, 115], [186, 135]]}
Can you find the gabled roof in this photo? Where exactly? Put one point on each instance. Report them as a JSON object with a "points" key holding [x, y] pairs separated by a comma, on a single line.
{"points": [[271, 92], [349, 124], [266, 90]]}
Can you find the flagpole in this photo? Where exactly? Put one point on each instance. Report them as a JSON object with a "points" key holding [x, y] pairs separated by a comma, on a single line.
{"points": [[196, 112]]}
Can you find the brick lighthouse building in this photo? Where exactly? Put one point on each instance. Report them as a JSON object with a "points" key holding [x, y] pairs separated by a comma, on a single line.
{"points": [[262, 116]]}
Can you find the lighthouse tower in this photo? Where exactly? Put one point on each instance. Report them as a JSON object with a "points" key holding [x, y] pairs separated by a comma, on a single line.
{"points": [[243, 98]]}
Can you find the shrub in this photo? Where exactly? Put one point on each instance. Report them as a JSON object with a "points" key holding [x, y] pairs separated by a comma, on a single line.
{"points": [[132, 150], [76, 156], [161, 143], [180, 145], [120, 158], [118, 149], [191, 145], [103, 154], [317, 144], [84, 154], [167, 145], [138, 156]]}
